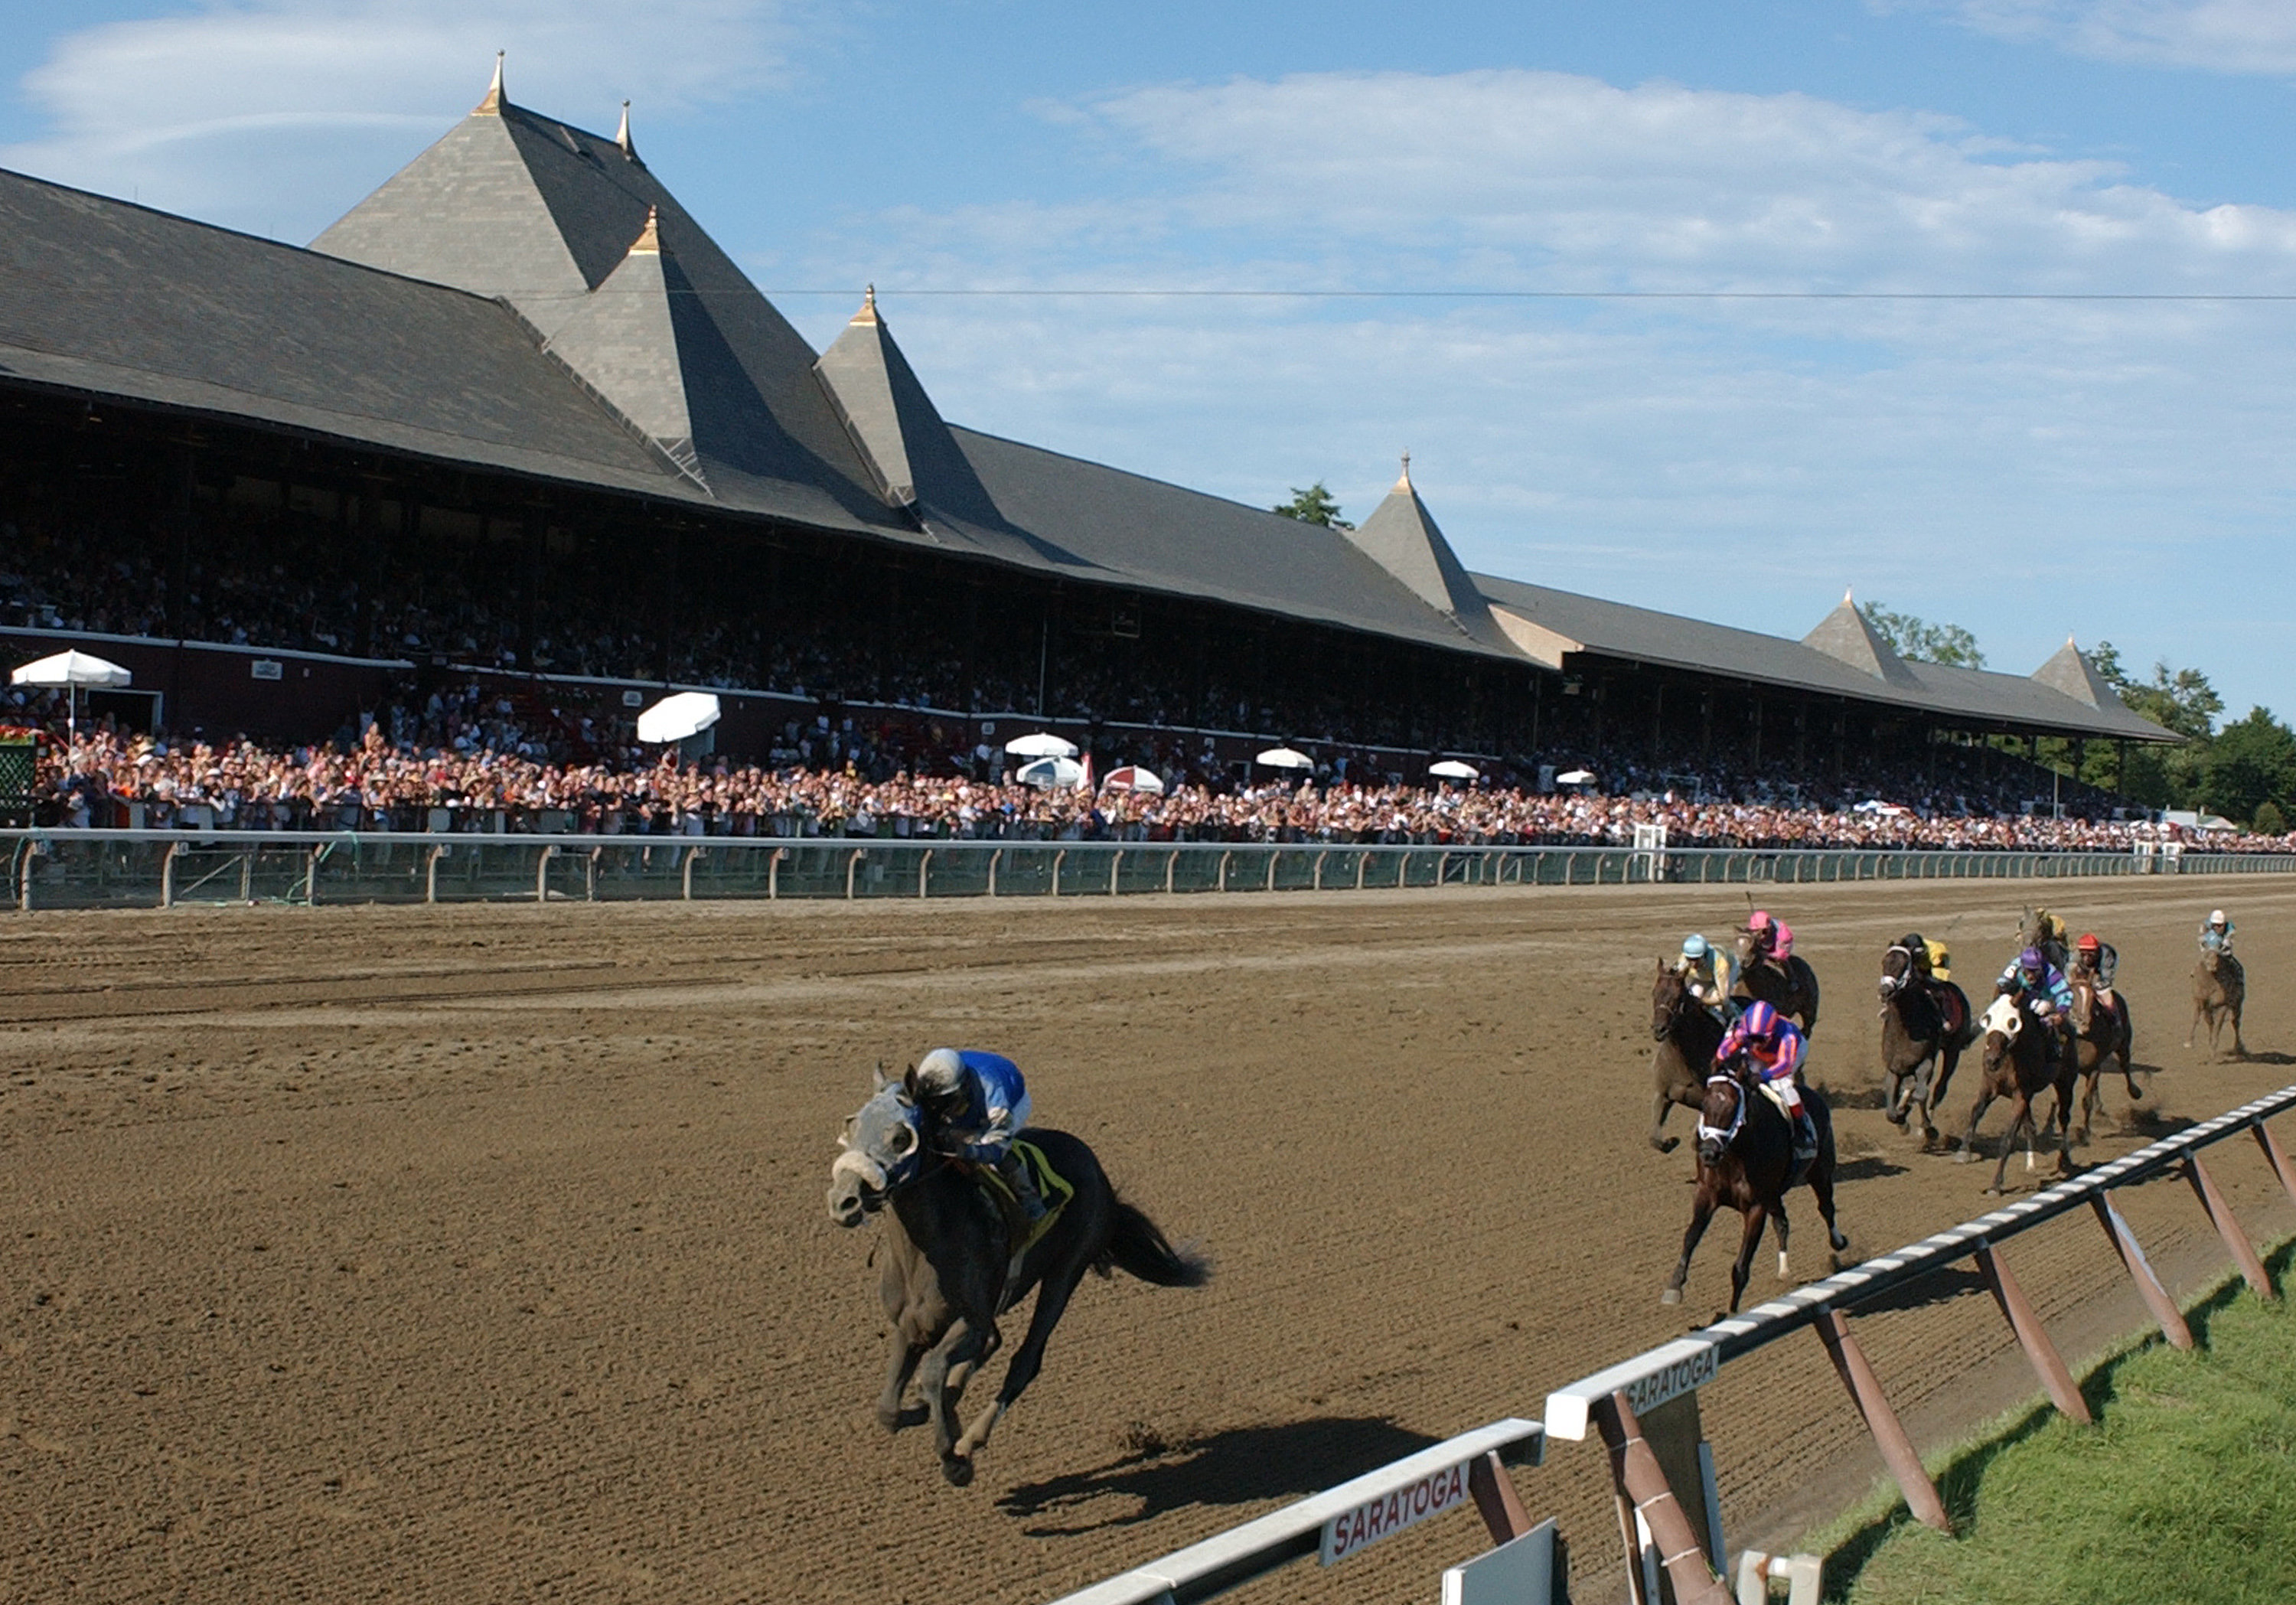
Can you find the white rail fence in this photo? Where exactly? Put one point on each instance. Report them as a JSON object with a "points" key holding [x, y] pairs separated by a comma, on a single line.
{"points": [[1645, 1409], [48, 869]]}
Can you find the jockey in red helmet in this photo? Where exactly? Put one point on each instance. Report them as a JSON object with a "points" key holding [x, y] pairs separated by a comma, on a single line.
{"points": [[1775, 1046]]}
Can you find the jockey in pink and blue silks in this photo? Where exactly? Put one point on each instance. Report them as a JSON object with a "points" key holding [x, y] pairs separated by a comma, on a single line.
{"points": [[980, 1102], [1775, 1046]]}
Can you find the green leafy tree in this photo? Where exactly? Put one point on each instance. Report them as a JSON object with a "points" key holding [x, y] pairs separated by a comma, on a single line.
{"points": [[1314, 506], [2269, 820], [2251, 763], [1911, 636], [2179, 700]]}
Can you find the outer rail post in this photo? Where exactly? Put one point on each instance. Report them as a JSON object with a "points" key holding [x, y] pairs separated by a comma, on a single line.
{"points": [[2132, 1255], [1115, 863], [1058, 858], [1642, 1485], [167, 875], [2047, 1363], [1495, 1498], [541, 874], [430, 872], [1171, 864], [1273, 852], [993, 858], [773, 874], [923, 864], [1319, 870], [2276, 1156], [852, 868], [1363, 863], [1889, 1433], [686, 876], [2229, 1227]]}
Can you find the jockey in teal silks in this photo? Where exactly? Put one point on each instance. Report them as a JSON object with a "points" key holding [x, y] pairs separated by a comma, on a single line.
{"points": [[1775, 1046], [2215, 935], [979, 1103], [2040, 988]]}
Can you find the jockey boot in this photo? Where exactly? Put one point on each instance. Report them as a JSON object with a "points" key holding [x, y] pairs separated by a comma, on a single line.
{"points": [[1014, 1171], [1805, 1137]]}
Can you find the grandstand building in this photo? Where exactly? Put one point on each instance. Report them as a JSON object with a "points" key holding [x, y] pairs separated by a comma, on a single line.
{"points": [[516, 417]]}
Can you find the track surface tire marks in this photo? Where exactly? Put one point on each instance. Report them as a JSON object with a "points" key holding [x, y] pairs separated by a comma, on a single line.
{"points": [[479, 1253]]}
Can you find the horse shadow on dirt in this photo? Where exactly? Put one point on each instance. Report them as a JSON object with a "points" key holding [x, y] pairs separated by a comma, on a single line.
{"points": [[1866, 1167], [1242, 1465]]}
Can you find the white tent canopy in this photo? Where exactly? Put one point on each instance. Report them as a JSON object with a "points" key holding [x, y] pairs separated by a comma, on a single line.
{"points": [[1040, 744], [1576, 777], [72, 670], [1132, 777], [675, 717], [1451, 768], [1051, 774], [1285, 757]]}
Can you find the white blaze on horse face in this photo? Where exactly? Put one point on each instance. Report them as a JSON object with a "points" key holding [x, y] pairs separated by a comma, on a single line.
{"points": [[851, 1179], [2004, 1018]]}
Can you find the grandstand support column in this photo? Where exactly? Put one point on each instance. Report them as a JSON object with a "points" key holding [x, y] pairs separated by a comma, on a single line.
{"points": [[374, 567], [1706, 723], [2120, 765], [534, 533], [1802, 735], [1757, 729], [1658, 721], [667, 638], [182, 512]]}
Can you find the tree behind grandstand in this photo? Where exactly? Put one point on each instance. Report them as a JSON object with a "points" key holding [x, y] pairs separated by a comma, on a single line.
{"points": [[1910, 636], [2240, 771], [1314, 506]]}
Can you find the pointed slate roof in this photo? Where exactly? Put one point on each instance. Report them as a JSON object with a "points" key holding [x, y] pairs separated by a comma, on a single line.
{"points": [[1845, 636], [2070, 671], [1401, 537], [894, 423], [512, 204]]}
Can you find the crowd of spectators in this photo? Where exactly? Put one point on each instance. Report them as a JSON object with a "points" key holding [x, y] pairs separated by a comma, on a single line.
{"points": [[101, 777]]}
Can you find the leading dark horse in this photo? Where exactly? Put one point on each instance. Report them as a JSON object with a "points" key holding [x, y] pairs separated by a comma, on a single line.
{"points": [[1687, 1037], [949, 1267], [1926, 1026], [1745, 1160]]}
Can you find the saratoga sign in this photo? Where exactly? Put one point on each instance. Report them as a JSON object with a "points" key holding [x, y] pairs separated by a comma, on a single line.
{"points": [[1382, 1518]]}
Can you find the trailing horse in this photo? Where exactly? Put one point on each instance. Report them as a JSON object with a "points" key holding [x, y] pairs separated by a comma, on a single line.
{"points": [[1687, 1035], [2100, 1036], [2220, 989], [949, 1268], [1789, 988], [1745, 1160], [1926, 1025], [2017, 1065]]}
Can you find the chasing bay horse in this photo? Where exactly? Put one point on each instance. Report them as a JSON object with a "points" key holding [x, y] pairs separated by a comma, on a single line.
{"points": [[2017, 1065], [1789, 988], [2100, 1036], [1745, 1160], [1926, 1025], [950, 1271], [2220, 988], [1687, 1035]]}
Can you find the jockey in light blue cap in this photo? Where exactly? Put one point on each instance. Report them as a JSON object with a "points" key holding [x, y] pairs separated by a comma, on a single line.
{"points": [[979, 1103], [1708, 975]]}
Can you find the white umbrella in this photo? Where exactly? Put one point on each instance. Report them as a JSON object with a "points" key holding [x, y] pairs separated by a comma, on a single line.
{"points": [[72, 670], [1051, 774], [1042, 743], [1132, 777], [675, 717], [1576, 777], [1451, 768], [1285, 757]]}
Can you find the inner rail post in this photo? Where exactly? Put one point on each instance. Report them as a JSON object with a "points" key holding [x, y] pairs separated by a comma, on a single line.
{"points": [[1888, 1432], [2229, 1227], [2032, 1336], [1642, 1489], [2132, 1255], [1496, 1499], [2276, 1156]]}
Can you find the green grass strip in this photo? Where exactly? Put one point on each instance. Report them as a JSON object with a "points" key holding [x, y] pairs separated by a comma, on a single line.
{"points": [[2183, 1494]]}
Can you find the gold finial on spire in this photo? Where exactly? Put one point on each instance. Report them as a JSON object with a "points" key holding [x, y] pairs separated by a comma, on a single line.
{"points": [[1846, 597], [1405, 482], [649, 239], [868, 312], [623, 138], [493, 104]]}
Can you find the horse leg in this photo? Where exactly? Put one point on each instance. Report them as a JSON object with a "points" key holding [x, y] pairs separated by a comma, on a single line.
{"points": [[2091, 1097], [1742, 1269], [1969, 1137], [960, 1347], [2023, 1119], [1052, 1296], [901, 1367], [1658, 1140], [2239, 1048], [960, 1377], [1821, 1187], [1700, 1212], [1778, 1218], [2199, 1008]]}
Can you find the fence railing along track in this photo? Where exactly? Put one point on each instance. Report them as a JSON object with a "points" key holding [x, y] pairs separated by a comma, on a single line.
{"points": [[109, 868], [1663, 1479]]}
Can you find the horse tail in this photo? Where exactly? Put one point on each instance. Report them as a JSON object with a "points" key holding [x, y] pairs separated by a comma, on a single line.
{"points": [[1139, 1247]]}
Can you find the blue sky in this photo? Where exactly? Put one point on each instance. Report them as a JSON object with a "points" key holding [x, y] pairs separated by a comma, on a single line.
{"points": [[2027, 468]]}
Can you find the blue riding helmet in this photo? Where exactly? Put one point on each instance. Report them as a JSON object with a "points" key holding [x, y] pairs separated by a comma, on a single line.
{"points": [[1693, 947]]}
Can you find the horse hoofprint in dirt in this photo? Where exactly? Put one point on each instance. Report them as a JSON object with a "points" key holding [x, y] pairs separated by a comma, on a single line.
{"points": [[950, 1271]]}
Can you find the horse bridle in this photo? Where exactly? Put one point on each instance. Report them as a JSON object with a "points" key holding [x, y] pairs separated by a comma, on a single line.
{"points": [[1715, 1134], [1892, 985]]}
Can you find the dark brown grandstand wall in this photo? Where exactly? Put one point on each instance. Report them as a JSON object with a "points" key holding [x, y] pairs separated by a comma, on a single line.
{"points": [[222, 691]]}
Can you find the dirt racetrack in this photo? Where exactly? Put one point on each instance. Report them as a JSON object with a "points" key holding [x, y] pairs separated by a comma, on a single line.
{"points": [[481, 1254]]}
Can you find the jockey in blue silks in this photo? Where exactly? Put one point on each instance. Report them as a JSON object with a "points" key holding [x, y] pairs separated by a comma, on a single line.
{"points": [[979, 1103]]}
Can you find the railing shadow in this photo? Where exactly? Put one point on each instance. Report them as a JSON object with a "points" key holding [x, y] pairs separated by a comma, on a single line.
{"points": [[1242, 1465]]}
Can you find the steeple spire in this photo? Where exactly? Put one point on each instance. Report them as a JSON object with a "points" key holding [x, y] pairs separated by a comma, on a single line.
{"points": [[1405, 482], [648, 241], [623, 138], [868, 312], [493, 104]]}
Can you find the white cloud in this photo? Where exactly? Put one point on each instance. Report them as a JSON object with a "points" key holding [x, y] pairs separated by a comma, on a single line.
{"points": [[267, 113], [2221, 36]]}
